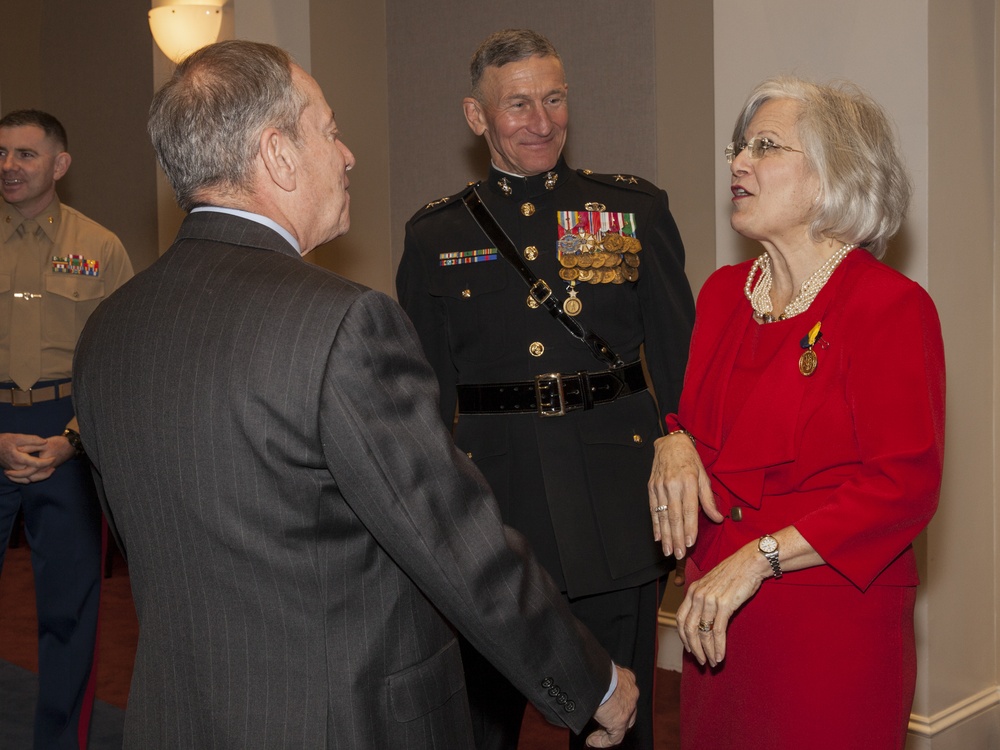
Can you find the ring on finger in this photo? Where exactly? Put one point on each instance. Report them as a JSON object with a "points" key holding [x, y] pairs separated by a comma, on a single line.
{"points": [[659, 508], [706, 626]]}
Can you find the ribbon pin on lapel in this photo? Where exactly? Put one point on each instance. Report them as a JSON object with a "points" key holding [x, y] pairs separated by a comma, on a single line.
{"points": [[809, 360]]}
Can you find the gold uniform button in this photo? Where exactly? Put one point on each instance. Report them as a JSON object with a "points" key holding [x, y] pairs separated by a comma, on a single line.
{"points": [[531, 252], [537, 349], [637, 439], [527, 209], [466, 293], [532, 302], [469, 454]]}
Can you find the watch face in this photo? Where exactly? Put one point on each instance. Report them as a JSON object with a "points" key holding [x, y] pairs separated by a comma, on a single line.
{"points": [[767, 544]]}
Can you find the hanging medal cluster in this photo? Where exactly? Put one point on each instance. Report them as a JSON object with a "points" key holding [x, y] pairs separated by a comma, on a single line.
{"points": [[596, 247]]}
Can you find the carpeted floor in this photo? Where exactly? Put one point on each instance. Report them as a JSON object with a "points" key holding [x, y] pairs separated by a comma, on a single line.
{"points": [[118, 635]]}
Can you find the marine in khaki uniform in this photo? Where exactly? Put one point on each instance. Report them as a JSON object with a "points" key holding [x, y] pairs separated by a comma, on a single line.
{"points": [[56, 266], [564, 438]]}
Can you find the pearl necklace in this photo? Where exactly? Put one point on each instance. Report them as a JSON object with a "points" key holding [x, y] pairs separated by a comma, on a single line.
{"points": [[759, 294]]}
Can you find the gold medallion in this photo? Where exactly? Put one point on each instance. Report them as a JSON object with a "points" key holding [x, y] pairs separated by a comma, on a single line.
{"points": [[527, 209], [808, 362], [531, 252], [631, 274], [613, 242], [586, 274], [585, 260], [632, 245], [569, 260], [569, 274], [599, 260], [572, 304], [632, 260]]}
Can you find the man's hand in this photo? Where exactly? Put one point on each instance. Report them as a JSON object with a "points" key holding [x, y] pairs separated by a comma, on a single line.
{"points": [[32, 458], [617, 715]]}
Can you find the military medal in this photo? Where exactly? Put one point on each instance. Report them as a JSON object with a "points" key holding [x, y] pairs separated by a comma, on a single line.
{"points": [[598, 246], [572, 304], [808, 361]]}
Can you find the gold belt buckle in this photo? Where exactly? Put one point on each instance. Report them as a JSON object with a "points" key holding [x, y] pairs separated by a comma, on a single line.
{"points": [[553, 383], [14, 401], [540, 291]]}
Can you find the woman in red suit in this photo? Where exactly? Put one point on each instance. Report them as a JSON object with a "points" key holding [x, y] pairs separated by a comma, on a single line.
{"points": [[810, 432]]}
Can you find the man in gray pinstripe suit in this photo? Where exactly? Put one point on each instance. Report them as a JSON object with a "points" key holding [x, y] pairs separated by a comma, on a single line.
{"points": [[301, 533]]}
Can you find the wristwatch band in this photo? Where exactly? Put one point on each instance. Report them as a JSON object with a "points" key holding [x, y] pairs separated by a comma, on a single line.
{"points": [[767, 545], [74, 439]]}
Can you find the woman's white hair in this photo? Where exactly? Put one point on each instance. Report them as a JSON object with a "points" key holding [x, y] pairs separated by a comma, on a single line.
{"points": [[851, 144]]}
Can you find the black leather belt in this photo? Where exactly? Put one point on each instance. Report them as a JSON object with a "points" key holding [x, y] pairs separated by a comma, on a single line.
{"points": [[552, 394]]}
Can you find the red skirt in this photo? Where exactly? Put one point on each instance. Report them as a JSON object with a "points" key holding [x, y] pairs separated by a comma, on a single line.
{"points": [[806, 667]]}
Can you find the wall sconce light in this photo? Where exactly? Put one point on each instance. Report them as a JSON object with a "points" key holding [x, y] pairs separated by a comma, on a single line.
{"points": [[181, 29]]}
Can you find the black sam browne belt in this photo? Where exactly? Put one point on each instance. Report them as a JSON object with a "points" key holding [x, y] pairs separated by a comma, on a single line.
{"points": [[552, 394]]}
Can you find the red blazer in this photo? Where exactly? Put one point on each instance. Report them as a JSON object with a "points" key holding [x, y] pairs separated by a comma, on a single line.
{"points": [[852, 455]]}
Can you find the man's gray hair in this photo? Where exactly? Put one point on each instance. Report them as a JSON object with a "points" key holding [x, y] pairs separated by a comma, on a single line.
{"points": [[507, 46], [206, 121]]}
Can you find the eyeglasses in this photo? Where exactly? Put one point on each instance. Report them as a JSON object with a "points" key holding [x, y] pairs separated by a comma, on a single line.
{"points": [[756, 147]]}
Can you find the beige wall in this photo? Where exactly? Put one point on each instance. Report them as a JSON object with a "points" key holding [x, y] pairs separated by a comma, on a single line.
{"points": [[348, 42], [956, 706], [685, 127]]}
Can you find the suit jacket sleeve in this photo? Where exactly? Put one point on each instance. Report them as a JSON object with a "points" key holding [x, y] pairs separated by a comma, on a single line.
{"points": [[433, 513], [427, 315], [666, 303]]}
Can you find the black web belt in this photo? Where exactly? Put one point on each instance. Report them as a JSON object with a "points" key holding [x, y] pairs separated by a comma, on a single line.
{"points": [[552, 394], [539, 290]]}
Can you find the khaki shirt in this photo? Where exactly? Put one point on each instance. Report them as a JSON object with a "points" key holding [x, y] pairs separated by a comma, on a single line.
{"points": [[80, 263]]}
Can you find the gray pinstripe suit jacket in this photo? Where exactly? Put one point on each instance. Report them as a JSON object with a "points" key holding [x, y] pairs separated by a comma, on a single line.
{"points": [[298, 525]]}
